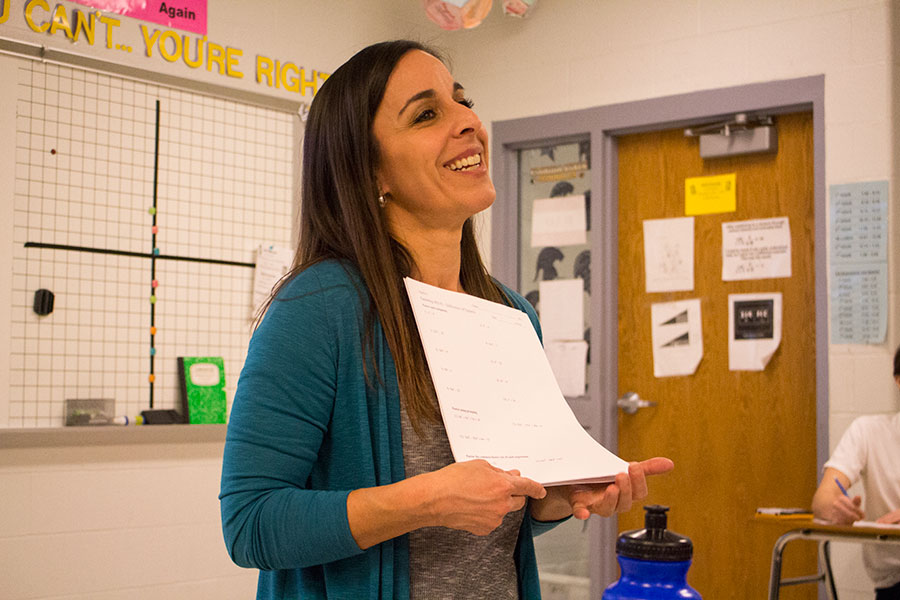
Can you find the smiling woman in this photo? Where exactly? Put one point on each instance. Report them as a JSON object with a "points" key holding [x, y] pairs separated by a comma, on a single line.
{"points": [[338, 480], [434, 163]]}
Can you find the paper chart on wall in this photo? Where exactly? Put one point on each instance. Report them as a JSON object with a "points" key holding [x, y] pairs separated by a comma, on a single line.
{"points": [[859, 262], [498, 397]]}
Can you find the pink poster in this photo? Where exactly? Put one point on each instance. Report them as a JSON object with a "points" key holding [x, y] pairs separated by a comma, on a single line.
{"points": [[189, 15]]}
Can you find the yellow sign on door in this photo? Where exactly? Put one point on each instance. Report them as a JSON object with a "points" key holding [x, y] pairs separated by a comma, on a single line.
{"points": [[712, 194]]}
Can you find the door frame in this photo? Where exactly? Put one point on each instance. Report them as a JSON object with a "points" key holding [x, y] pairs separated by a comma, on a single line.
{"points": [[602, 126]]}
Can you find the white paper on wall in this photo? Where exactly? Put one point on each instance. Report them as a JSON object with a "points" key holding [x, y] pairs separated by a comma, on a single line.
{"points": [[669, 254], [754, 330], [272, 262], [677, 337], [569, 363], [560, 221], [756, 249], [562, 309]]}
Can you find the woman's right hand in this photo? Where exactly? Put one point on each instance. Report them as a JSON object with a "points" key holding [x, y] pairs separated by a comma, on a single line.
{"points": [[474, 496], [471, 496]]}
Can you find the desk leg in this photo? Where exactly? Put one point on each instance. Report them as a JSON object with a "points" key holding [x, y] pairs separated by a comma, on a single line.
{"points": [[775, 575], [825, 559]]}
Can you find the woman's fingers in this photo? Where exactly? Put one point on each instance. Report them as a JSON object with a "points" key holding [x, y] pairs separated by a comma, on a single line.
{"points": [[638, 481], [522, 486], [624, 482], [606, 500], [475, 496], [593, 499], [657, 465]]}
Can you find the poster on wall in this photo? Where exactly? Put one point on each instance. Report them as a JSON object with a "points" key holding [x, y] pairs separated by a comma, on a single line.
{"points": [[859, 270], [677, 337], [189, 15], [756, 249], [754, 330]]}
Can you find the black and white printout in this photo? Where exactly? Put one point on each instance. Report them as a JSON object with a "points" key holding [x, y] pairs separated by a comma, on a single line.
{"points": [[754, 330], [756, 249], [497, 394]]}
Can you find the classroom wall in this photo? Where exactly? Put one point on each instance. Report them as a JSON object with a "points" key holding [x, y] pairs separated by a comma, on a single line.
{"points": [[141, 521], [582, 53]]}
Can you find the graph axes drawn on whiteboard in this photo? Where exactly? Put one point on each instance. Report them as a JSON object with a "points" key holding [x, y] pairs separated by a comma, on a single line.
{"points": [[153, 282], [214, 261], [153, 256]]}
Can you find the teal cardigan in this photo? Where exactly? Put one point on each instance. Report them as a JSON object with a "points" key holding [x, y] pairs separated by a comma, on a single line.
{"points": [[305, 429]]}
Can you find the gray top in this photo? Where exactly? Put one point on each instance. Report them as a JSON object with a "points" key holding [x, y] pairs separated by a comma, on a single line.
{"points": [[449, 563]]}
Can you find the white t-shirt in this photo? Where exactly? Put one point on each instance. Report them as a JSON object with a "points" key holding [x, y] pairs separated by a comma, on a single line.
{"points": [[870, 448]]}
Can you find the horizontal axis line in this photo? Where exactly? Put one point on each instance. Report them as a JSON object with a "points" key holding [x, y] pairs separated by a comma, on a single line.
{"points": [[137, 254]]}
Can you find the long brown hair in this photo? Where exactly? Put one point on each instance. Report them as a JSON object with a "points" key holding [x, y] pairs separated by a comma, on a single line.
{"points": [[340, 217]]}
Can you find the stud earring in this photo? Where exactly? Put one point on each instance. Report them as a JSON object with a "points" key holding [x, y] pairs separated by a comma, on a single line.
{"points": [[382, 200]]}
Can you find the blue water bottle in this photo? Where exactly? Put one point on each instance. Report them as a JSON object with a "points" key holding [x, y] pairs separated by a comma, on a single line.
{"points": [[654, 562]]}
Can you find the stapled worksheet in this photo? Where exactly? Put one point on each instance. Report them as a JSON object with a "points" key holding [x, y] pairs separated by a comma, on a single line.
{"points": [[497, 394]]}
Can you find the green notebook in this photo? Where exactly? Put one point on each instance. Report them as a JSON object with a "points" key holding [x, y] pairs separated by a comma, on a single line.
{"points": [[202, 388]]}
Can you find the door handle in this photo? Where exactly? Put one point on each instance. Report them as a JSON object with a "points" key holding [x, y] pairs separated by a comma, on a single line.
{"points": [[630, 402]]}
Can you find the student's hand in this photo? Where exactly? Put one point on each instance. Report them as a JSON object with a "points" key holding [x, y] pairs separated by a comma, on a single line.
{"points": [[606, 499], [474, 496], [845, 510], [891, 517]]}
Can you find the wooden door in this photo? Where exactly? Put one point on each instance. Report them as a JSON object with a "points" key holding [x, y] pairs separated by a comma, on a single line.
{"points": [[739, 439]]}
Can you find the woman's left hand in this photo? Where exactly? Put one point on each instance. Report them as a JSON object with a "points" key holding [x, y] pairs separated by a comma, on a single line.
{"points": [[604, 499]]}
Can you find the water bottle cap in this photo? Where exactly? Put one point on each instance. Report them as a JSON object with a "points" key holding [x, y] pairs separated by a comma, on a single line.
{"points": [[654, 542]]}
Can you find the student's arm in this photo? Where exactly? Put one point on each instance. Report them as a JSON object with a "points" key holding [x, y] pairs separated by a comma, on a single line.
{"points": [[892, 517], [830, 503]]}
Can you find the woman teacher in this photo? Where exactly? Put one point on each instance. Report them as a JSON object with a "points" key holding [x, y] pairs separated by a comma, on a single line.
{"points": [[338, 480]]}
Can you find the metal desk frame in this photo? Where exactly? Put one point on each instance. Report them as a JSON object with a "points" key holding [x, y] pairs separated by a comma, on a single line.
{"points": [[825, 534]]}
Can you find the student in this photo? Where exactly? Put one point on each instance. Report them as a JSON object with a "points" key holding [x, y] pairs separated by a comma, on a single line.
{"points": [[869, 449], [337, 479]]}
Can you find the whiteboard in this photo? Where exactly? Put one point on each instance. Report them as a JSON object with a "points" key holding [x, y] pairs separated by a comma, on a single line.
{"points": [[84, 167]]}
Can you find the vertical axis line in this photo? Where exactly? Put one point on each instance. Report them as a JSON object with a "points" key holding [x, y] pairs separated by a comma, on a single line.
{"points": [[154, 252]]}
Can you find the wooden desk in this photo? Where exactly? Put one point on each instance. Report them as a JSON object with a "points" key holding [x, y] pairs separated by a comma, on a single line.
{"points": [[810, 530]]}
